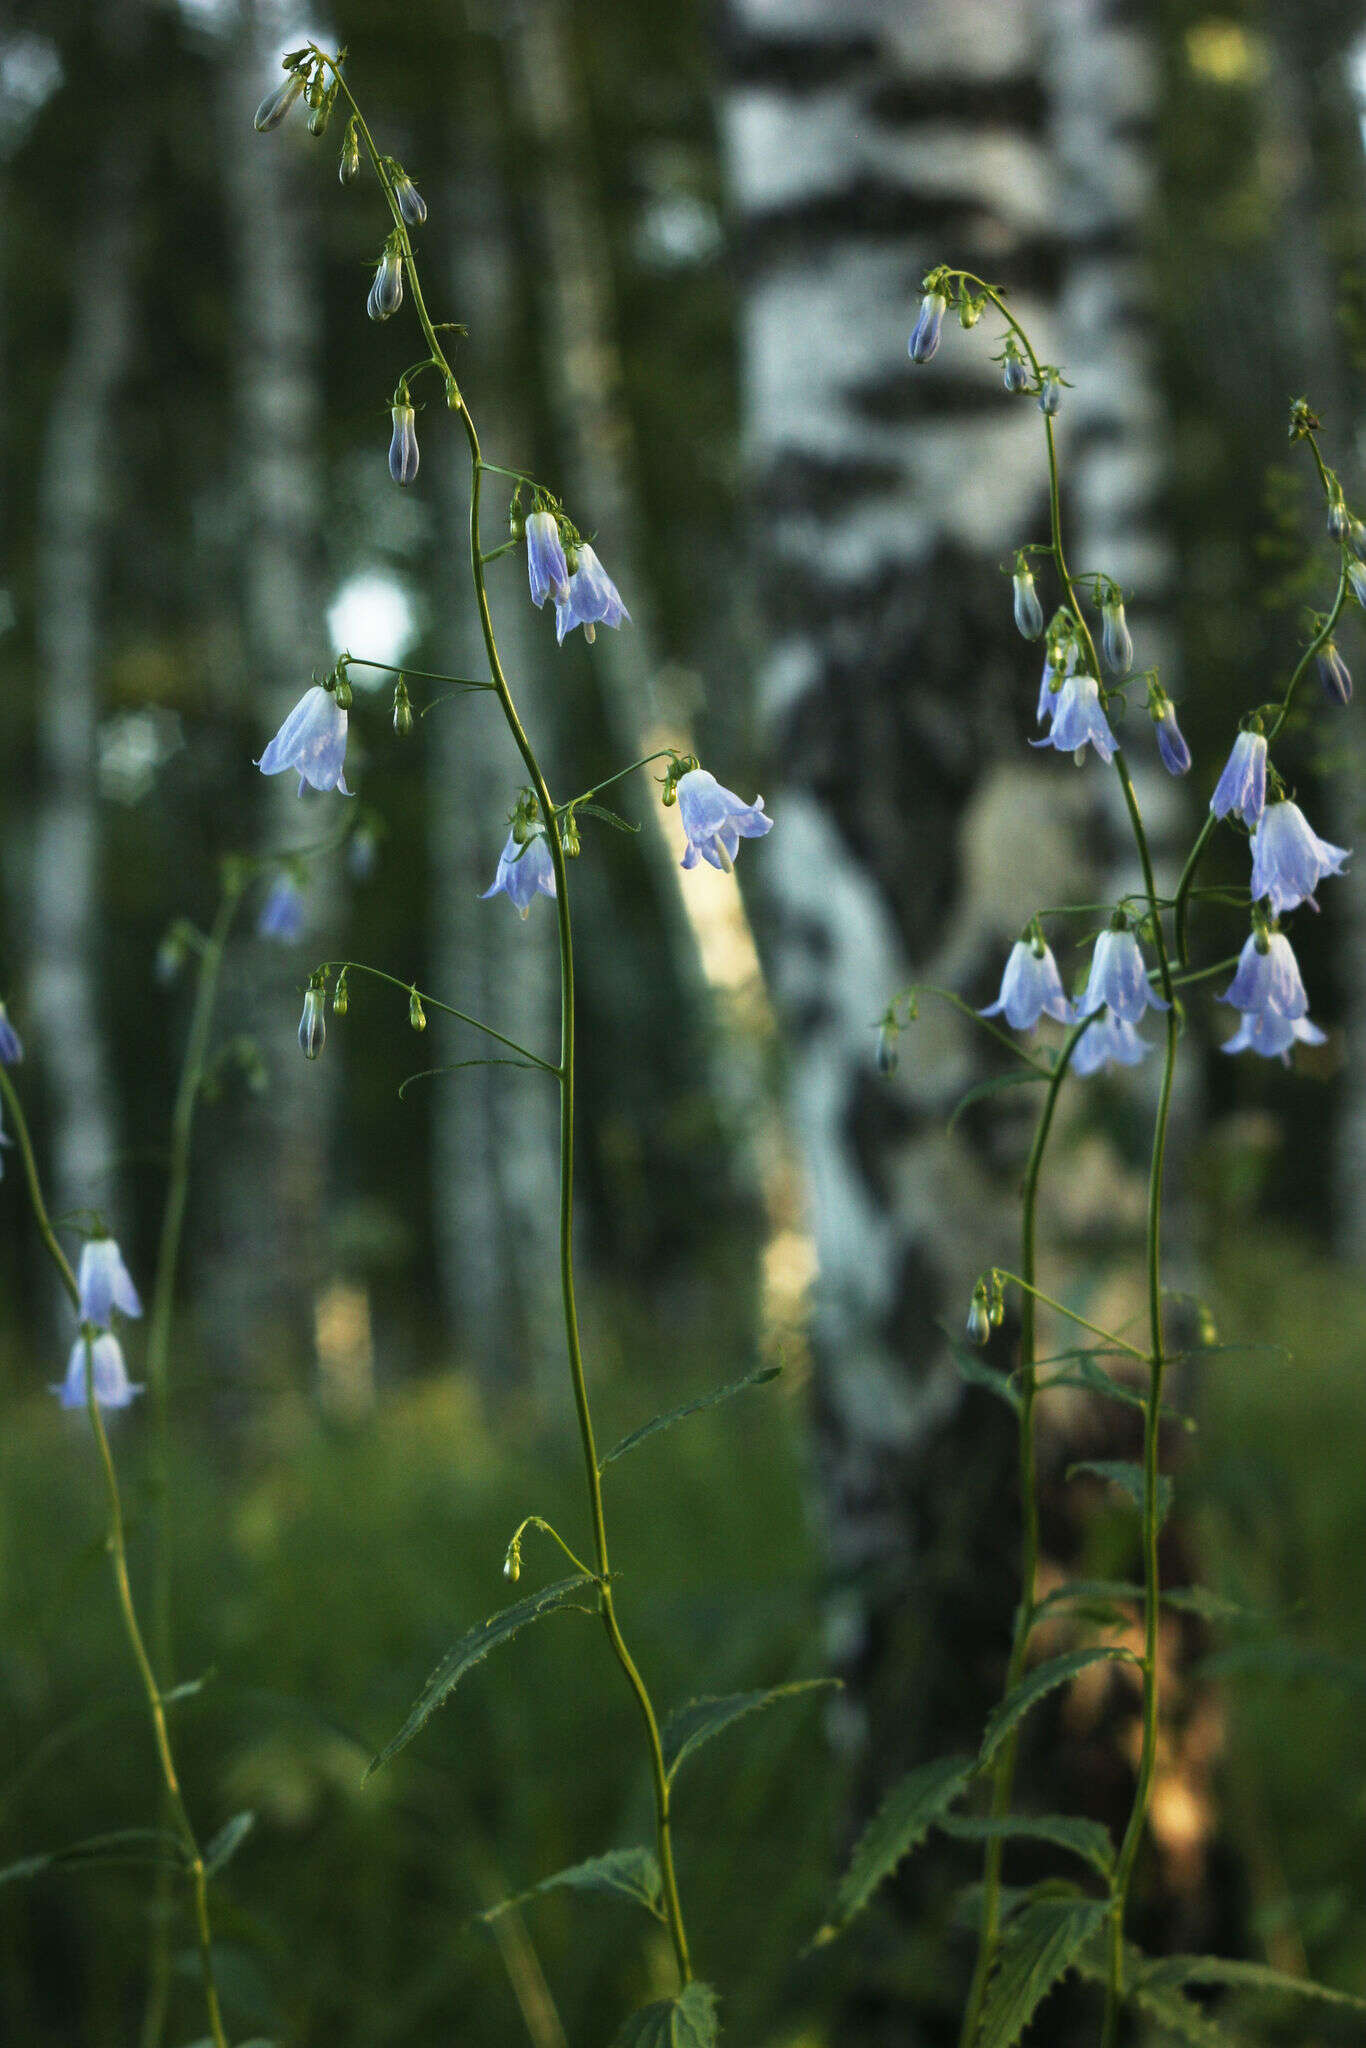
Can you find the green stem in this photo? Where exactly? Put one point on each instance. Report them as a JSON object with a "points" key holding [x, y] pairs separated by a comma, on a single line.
{"points": [[645, 761], [435, 1003], [424, 675], [1061, 1307], [118, 1553], [565, 1075]]}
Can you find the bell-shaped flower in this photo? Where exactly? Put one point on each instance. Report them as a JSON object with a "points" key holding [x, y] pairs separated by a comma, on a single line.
{"points": [[1289, 859], [1334, 674], [103, 1283], [1050, 391], [1272, 1035], [928, 328], [1110, 1041], [411, 204], [1171, 741], [386, 293], [546, 565], [403, 457], [1059, 663], [113, 1389], [1015, 371], [312, 741], [524, 870], [313, 1021], [1031, 987], [1356, 576], [1241, 789], [1116, 641], [282, 913], [1268, 981], [715, 820], [1079, 721], [1119, 978], [1339, 519], [592, 601], [1028, 610], [11, 1045]]}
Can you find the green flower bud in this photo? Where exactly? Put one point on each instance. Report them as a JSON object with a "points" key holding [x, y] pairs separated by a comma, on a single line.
{"points": [[349, 166], [417, 1016], [403, 710]]}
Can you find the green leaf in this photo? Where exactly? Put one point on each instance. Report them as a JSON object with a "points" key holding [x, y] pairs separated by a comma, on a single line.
{"points": [[1188, 2024], [1171, 1973], [977, 1373], [629, 1873], [1288, 1661], [1038, 1948], [608, 817], [227, 1842], [688, 2021], [900, 1825], [1121, 1472], [1084, 1374], [697, 1722], [122, 1845], [1043, 1679], [1016, 1077], [1085, 1838], [471, 1649], [1211, 1606], [672, 1415], [1093, 1593]]}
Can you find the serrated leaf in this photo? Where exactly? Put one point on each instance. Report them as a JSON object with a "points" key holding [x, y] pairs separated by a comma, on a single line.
{"points": [[1038, 1948], [1211, 1606], [1174, 1972], [977, 1373], [688, 2021], [630, 1873], [1095, 1593], [672, 1415], [1123, 1473], [608, 817], [1085, 1838], [1042, 1680], [690, 1726], [121, 1845], [227, 1842], [900, 1825], [1011, 1899], [1016, 1077], [1088, 1377], [1188, 2024], [471, 1649]]}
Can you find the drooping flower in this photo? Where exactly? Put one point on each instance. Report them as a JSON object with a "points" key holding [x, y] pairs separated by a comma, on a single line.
{"points": [[1031, 987], [1028, 610], [282, 913], [1241, 789], [277, 104], [1289, 859], [546, 565], [1079, 721], [411, 204], [1334, 674], [113, 1389], [978, 1325], [349, 166], [103, 1283], [1268, 981], [312, 741], [4, 1141], [1058, 664], [1171, 741], [1015, 371], [403, 456], [593, 599], [1110, 1042], [715, 820], [313, 1022], [1272, 1035], [1339, 519], [11, 1045], [928, 328], [1119, 978], [1050, 391], [524, 870], [386, 293], [1356, 576], [1116, 641]]}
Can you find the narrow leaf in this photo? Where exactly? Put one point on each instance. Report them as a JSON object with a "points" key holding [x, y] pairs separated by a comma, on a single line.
{"points": [[1173, 1972], [688, 2021], [977, 1373], [609, 817], [1043, 1679], [1084, 1374], [1092, 1593], [122, 1845], [1014, 1078], [1121, 1472], [1085, 1838], [1038, 1949], [227, 1842], [673, 1415], [697, 1722], [1211, 1606], [900, 1825], [1188, 2024], [471, 1649], [630, 1873]]}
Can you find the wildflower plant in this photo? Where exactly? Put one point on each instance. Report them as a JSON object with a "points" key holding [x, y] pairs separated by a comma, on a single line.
{"points": [[1141, 961]]}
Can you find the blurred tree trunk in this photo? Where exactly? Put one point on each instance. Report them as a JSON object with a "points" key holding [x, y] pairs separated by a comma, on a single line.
{"points": [[915, 835], [77, 505]]}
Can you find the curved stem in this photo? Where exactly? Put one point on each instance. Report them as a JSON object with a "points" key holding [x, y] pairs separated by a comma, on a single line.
{"points": [[435, 1003], [1118, 1343]]}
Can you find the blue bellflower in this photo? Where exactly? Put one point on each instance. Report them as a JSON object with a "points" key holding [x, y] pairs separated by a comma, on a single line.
{"points": [[524, 870], [1241, 789], [1058, 665], [113, 1388], [1119, 978], [1050, 391], [1356, 576], [1171, 741], [1116, 641], [11, 1045], [103, 1284], [282, 913], [715, 820], [312, 741], [1079, 721], [1015, 372], [593, 599], [411, 204], [4, 1141], [1028, 610], [1110, 1042], [313, 1023], [386, 293], [546, 565], [1031, 987], [403, 452], [928, 328], [1272, 1035], [1334, 674], [1289, 859], [1268, 983]]}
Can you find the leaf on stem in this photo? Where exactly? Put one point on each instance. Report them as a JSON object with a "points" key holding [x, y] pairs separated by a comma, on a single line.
{"points": [[629, 1873], [975, 1372], [688, 2021], [608, 817], [672, 1415], [899, 1826], [1013, 1079], [123, 1845], [1187, 2024], [1038, 1949], [1088, 1377], [1172, 1973], [227, 1842], [1099, 1595], [471, 1649], [689, 1727], [1084, 1838], [1042, 1680], [1128, 1477]]}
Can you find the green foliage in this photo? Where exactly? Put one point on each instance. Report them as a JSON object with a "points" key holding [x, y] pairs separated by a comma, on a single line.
{"points": [[900, 1825], [1087, 1375], [760, 1378], [1128, 1477], [688, 2021], [1084, 1838], [628, 1873], [1039, 1947], [1183, 2023], [689, 1727], [1173, 1973], [1036, 1685], [220, 1851], [119, 1845], [977, 1373]]}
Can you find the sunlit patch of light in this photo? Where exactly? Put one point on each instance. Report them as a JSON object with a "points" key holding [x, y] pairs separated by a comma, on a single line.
{"points": [[346, 1352], [372, 617]]}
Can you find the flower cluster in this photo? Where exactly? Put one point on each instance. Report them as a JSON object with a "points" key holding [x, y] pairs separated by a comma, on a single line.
{"points": [[103, 1286]]}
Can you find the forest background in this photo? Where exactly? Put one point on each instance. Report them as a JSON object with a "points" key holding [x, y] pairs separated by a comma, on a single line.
{"points": [[687, 244]]}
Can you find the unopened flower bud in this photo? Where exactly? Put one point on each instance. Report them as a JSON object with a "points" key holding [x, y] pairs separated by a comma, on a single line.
{"points": [[417, 1016], [313, 1024], [11, 1045], [1334, 674], [928, 328], [1171, 741], [1116, 641], [1356, 576], [1028, 610], [403, 709], [342, 691], [170, 959], [1015, 371], [277, 104], [970, 311], [403, 446], [341, 999], [1356, 539], [386, 293], [570, 842], [1339, 518], [411, 204], [319, 117], [979, 1317], [1050, 391], [888, 1051], [349, 166]]}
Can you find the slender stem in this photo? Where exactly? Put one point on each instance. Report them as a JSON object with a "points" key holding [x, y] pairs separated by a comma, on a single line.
{"points": [[1061, 1307], [424, 675], [565, 1073], [435, 1003], [645, 761], [948, 995], [118, 1553], [1003, 1767]]}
